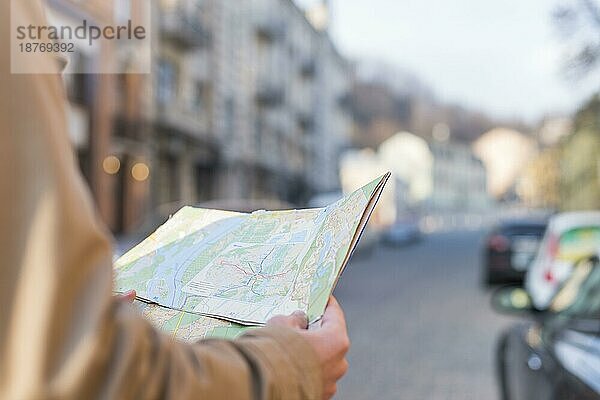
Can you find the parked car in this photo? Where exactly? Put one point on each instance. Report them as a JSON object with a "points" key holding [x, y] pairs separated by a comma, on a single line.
{"points": [[569, 237], [509, 249], [401, 233], [556, 355]]}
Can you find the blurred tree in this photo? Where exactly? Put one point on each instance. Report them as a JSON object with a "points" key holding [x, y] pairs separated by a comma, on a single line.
{"points": [[589, 115], [580, 160], [384, 104], [579, 24]]}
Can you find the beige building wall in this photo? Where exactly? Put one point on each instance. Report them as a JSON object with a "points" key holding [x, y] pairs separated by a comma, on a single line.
{"points": [[504, 152]]}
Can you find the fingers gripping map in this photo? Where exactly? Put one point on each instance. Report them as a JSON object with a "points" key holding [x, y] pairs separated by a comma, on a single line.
{"points": [[243, 268]]}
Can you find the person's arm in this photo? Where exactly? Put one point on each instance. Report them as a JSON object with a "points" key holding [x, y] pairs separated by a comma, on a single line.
{"points": [[62, 334]]}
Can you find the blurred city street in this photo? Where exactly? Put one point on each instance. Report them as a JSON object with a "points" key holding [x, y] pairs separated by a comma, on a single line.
{"points": [[485, 114], [420, 322]]}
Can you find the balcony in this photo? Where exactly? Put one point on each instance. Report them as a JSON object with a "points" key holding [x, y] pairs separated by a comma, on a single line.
{"points": [[271, 30], [308, 69], [184, 28], [306, 121], [174, 119], [345, 101], [130, 128], [269, 95]]}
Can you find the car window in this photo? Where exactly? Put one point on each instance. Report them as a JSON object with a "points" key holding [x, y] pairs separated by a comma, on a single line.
{"points": [[537, 230], [577, 243]]}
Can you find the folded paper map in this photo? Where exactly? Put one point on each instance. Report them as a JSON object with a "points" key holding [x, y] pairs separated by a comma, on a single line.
{"points": [[215, 273]]}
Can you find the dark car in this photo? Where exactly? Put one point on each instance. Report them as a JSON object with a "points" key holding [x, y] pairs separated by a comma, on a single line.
{"points": [[556, 356], [509, 249]]}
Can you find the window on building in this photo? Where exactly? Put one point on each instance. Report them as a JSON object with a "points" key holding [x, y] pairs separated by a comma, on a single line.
{"points": [[169, 178], [258, 133], [199, 97], [166, 82], [122, 11], [229, 118], [205, 180]]}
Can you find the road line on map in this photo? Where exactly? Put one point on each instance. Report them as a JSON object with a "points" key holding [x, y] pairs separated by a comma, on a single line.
{"points": [[177, 326]]}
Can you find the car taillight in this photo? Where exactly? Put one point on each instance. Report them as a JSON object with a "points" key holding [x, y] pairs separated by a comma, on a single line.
{"points": [[549, 276], [498, 243]]}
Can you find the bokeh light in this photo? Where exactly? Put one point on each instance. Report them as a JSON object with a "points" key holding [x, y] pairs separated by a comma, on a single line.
{"points": [[140, 172], [111, 165]]}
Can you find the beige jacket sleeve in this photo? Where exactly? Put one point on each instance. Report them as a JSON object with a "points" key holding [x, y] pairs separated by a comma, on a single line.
{"points": [[62, 335]]}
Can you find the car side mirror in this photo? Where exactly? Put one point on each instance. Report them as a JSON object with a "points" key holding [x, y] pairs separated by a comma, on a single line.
{"points": [[512, 300], [575, 294]]}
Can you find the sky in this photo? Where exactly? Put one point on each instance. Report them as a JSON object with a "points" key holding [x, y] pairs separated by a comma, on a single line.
{"points": [[499, 56]]}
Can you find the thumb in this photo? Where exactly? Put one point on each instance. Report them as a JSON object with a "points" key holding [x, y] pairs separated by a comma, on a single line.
{"points": [[128, 296], [297, 319]]}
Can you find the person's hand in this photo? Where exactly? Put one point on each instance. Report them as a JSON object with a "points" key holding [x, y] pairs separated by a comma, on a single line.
{"points": [[127, 297], [330, 342]]}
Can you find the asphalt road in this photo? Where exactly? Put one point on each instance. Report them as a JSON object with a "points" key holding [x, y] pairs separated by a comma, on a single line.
{"points": [[420, 323]]}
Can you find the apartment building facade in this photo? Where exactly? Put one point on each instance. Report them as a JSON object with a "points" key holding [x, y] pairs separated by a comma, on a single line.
{"points": [[279, 86], [459, 178], [246, 100]]}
